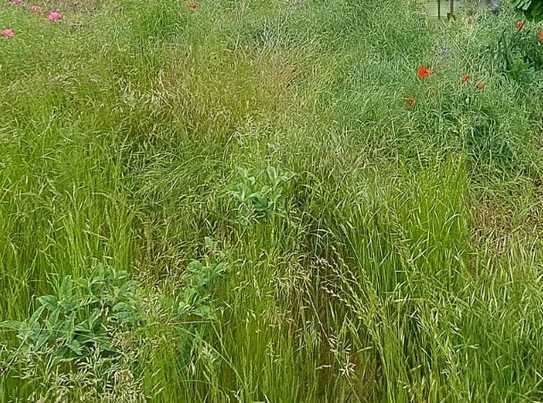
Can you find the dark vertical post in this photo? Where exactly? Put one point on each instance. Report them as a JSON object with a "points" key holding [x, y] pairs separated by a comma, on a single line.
{"points": [[438, 8], [450, 15]]}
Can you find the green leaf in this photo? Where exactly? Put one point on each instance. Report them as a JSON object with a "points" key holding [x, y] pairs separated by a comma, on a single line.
{"points": [[204, 312], [75, 346], [48, 301], [36, 315]]}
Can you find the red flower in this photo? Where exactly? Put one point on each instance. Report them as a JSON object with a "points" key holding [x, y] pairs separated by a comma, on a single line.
{"points": [[466, 78], [423, 72], [194, 6], [410, 102], [520, 25], [480, 85], [540, 36]]}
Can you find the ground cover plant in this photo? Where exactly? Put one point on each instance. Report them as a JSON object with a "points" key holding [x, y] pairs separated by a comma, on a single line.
{"points": [[269, 201]]}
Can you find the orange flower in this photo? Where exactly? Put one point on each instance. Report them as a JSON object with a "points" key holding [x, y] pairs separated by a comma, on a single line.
{"points": [[423, 72], [520, 25], [540, 36], [466, 78], [410, 102], [480, 85]]}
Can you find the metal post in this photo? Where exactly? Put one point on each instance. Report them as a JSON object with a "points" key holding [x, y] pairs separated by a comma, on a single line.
{"points": [[439, 9]]}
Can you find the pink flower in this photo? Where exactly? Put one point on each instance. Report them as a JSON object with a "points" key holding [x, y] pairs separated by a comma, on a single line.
{"points": [[35, 9], [7, 33], [54, 16], [15, 2]]}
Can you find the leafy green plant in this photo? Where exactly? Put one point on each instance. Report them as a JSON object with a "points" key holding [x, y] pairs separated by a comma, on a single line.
{"points": [[80, 323], [195, 299], [532, 8], [195, 306], [518, 55], [261, 194]]}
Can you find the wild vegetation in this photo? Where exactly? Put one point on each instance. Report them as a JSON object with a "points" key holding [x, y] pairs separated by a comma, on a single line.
{"points": [[269, 200]]}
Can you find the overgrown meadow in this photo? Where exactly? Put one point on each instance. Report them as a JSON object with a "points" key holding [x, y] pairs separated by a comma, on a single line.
{"points": [[269, 201]]}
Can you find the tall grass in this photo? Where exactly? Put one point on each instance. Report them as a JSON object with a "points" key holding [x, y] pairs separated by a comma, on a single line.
{"points": [[297, 232]]}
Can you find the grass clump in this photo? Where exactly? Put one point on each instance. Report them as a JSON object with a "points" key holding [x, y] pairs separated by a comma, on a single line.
{"points": [[298, 215]]}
